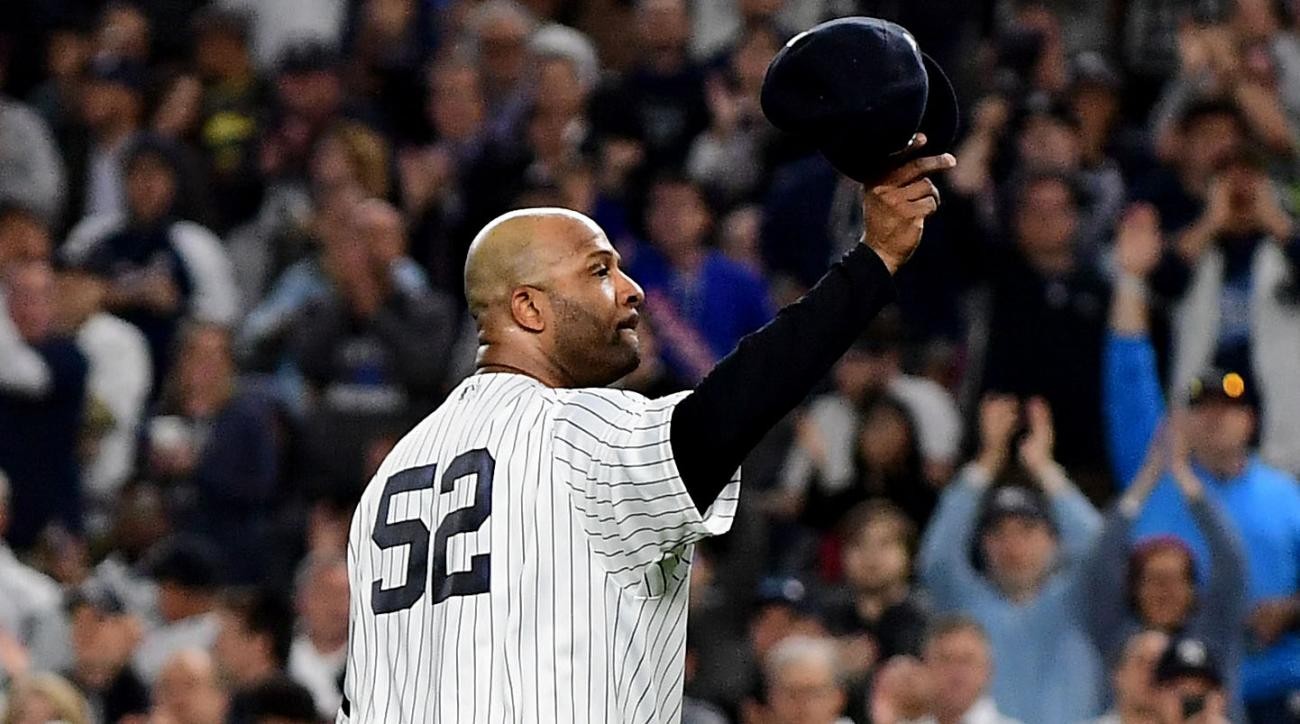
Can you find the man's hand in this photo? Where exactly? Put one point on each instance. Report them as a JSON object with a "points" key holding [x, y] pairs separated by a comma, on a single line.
{"points": [[896, 208], [1138, 243], [999, 415], [1036, 448], [1272, 618]]}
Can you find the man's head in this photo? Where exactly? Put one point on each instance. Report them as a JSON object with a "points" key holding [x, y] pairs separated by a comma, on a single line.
{"points": [[1134, 677], [678, 218], [254, 638], [125, 31], [29, 287], [1017, 540], [103, 634], [500, 30], [221, 44], [878, 547], [308, 81], [321, 597], [1221, 419], [803, 681], [1049, 140], [1188, 680], [956, 652], [281, 700], [1162, 582], [456, 105], [872, 362], [114, 94], [1210, 133], [380, 226], [24, 236], [152, 175], [186, 572], [188, 691], [1047, 216], [664, 25], [204, 373], [549, 297]]}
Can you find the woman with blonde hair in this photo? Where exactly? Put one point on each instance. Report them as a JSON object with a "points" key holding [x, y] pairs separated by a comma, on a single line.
{"points": [[45, 697]]}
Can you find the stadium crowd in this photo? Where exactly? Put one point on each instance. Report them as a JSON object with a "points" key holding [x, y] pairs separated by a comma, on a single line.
{"points": [[1054, 484]]}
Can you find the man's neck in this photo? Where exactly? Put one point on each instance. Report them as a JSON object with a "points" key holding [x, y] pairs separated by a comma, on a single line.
{"points": [[1226, 467], [256, 674], [1129, 714], [686, 259], [326, 645], [114, 134], [1053, 263]]}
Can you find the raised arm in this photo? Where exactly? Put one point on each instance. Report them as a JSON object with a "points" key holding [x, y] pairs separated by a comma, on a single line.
{"points": [[1077, 519], [773, 369], [1131, 397]]}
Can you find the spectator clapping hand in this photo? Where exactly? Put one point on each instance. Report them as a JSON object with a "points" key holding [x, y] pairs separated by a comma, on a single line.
{"points": [[999, 416]]}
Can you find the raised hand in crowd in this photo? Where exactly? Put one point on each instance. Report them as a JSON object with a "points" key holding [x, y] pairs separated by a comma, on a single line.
{"points": [[999, 416]]}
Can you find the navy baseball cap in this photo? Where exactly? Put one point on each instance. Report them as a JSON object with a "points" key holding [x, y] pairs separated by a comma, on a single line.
{"points": [[859, 89], [1006, 501], [1224, 385], [1188, 657], [119, 71]]}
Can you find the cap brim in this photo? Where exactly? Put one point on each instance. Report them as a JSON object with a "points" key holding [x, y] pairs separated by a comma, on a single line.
{"points": [[942, 117]]}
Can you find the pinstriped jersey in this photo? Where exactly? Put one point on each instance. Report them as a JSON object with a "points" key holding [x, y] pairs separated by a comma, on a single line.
{"points": [[523, 555]]}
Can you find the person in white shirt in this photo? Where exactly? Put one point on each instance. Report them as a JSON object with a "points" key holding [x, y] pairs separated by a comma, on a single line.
{"points": [[185, 571], [28, 598], [319, 651], [949, 686]]}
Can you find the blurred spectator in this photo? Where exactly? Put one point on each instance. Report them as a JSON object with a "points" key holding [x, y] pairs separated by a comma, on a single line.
{"points": [[278, 24], [188, 690], [159, 266], [27, 596], [319, 650], [660, 103], [1262, 501], [42, 394], [44, 697], [700, 302], [24, 235], [1208, 134], [1155, 586], [1028, 592], [112, 112], [229, 123], [68, 49], [950, 688], [309, 97], [187, 577], [124, 31], [31, 168], [252, 648], [498, 32], [279, 700], [1048, 308], [103, 636], [139, 521], [802, 682], [117, 388], [1190, 684], [1237, 272], [1133, 680], [782, 608], [218, 445], [375, 349]]}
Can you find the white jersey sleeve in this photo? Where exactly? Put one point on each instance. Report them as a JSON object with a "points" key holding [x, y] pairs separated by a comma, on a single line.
{"points": [[612, 448]]}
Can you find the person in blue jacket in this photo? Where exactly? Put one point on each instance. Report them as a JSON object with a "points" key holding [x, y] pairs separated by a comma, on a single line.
{"points": [[1262, 501]]}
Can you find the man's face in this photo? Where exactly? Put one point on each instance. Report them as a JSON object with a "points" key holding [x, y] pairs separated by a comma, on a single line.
{"points": [[31, 301], [1134, 677], [1019, 550], [1209, 142], [878, 559], [102, 102], [324, 604], [805, 692], [456, 105], [959, 662], [664, 24], [23, 238], [234, 648], [503, 46], [150, 188], [678, 217], [1047, 217], [593, 309], [101, 641], [1179, 698], [1219, 430], [1165, 590], [187, 690]]}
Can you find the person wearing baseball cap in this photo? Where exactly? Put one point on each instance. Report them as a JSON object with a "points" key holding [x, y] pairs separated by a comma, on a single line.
{"points": [[112, 109], [103, 636], [1009, 555], [1262, 502], [1189, 683]]}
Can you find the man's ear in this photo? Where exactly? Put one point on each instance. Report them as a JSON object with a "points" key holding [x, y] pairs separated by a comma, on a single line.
{"points": [[530, 308]]}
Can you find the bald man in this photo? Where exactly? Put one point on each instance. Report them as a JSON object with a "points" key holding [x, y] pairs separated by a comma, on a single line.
{"points": [[522, 555]]}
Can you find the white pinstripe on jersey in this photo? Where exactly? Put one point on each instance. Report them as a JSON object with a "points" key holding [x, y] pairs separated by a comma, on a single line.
{"points": [[589, 540]]}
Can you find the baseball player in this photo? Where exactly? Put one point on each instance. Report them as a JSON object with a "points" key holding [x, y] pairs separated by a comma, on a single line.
{"points": [[522, 555]]}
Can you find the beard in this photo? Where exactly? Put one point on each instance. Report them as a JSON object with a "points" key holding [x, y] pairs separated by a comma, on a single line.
{"points": [[590, 350]]}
